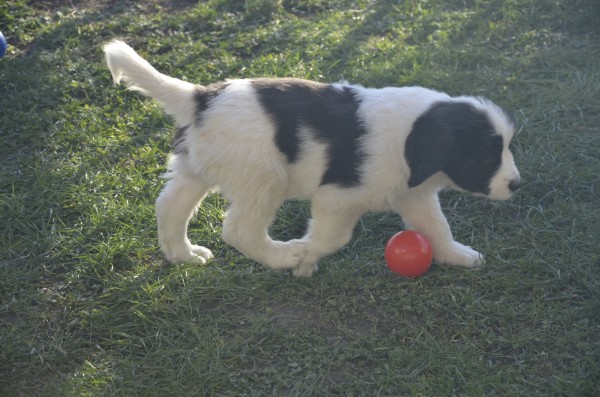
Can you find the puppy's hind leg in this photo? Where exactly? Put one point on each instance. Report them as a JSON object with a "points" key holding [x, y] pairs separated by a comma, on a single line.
{"points": [[329, 230], [246, 228], [174, 208]]}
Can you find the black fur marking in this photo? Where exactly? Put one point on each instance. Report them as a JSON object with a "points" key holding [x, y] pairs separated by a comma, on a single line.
{"points": [[204, 96], [457, 139], [331, 114], [179, 146]]}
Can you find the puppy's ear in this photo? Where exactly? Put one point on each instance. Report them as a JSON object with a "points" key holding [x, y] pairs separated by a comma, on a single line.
{"points": [[431, 144]]}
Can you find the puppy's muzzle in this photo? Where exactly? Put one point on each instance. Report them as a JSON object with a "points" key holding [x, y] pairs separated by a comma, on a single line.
{"points": [[515, 184]]}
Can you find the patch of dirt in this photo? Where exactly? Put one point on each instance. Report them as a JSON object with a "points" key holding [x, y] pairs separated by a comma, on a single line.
{"points": [[292, 317]]}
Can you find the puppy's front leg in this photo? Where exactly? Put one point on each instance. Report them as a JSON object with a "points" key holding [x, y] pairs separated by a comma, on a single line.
{"points": [[424, 215]]}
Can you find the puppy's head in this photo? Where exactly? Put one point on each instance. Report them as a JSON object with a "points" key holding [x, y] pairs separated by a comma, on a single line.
{"points": [[468, 140]]}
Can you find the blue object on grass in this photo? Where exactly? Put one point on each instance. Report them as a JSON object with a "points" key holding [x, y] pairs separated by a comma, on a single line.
{"points": [[3, 45]]}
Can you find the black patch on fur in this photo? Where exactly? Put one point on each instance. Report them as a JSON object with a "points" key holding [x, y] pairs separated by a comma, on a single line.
{"points": [[204, 96], [331, 113], [457, 139], [179, 146]]}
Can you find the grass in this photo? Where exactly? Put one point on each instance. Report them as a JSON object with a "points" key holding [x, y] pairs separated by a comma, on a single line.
{"points": [[89, 307]]}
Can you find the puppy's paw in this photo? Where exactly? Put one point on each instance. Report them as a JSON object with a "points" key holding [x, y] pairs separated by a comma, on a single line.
{"points": [[202, 254], [304, 270], [286, 255], [189, 254], [460, 255]]}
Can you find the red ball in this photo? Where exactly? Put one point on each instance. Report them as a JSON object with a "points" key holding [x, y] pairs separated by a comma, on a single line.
{"points": [[408, 253]]}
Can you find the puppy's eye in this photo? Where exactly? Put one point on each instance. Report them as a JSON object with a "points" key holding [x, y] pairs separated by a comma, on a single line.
{"points": [[488, 157], [490, 153]]}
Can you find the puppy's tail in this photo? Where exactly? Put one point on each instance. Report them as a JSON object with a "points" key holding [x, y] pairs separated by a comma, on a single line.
{"points": [[125, 64]]}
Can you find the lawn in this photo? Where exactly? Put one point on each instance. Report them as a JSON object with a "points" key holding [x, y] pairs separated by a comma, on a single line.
{"points": [[89, 306]]}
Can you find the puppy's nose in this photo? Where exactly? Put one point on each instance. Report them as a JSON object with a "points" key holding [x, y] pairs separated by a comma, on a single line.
{"points": [[514, 184]]}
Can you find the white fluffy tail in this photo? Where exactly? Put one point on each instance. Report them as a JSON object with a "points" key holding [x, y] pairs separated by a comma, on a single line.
{"points": [[174, 94]]}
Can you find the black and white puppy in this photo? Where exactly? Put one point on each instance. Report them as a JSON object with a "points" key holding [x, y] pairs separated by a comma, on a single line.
{"points": [[347, 148]]}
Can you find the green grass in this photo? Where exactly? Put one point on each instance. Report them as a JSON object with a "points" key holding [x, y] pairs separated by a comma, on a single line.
{"points": [[89, 307]]}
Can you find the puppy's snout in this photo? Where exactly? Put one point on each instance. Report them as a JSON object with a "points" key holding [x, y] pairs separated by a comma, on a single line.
{"points": [[515, 184]]}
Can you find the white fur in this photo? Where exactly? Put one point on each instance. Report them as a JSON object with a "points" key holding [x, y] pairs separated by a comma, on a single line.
{"points": [[233, 150]]}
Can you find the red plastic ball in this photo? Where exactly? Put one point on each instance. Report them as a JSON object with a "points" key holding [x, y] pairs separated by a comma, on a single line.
{"points": [[408, 253]]}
